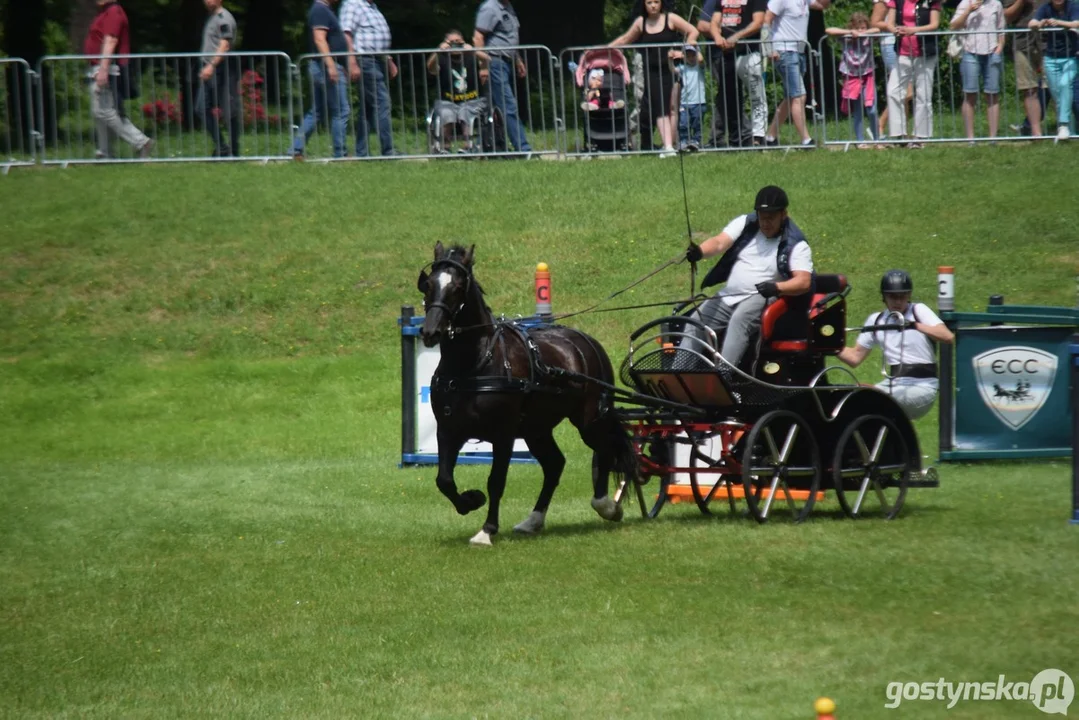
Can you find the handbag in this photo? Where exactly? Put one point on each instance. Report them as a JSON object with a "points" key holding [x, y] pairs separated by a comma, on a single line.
{"points": [[955, 47]]}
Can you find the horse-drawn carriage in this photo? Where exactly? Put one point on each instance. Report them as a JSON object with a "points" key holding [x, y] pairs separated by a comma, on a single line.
{"points": [[778, 436]]}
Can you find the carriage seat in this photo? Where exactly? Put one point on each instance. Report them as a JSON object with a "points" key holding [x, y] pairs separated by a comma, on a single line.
{"points": [[794, 323]]}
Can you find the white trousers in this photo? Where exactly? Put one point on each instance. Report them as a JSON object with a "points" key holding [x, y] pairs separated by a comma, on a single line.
{"points": [[920, 71], [916, 400]]}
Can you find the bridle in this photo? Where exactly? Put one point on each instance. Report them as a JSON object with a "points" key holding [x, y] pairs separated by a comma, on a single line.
{"points": [[451, 312]]}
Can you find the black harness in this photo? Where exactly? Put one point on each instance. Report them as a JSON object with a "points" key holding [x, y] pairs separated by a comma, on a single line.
{"points": [[540, 375]]}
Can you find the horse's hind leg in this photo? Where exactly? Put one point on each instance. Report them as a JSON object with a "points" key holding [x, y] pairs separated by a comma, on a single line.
{"points": [[546, 451], [597, 436]]}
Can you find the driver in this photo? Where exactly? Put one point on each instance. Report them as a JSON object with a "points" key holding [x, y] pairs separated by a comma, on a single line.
{"points": [[910, 353], [765, 255]]}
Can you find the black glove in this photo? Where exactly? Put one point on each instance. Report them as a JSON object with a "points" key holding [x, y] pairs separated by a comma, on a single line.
{"points": [[768, 289], [693, 252]]}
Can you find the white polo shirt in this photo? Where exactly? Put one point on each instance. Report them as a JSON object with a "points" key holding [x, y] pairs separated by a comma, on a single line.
{"points": [[908, 347], [757, 262]]}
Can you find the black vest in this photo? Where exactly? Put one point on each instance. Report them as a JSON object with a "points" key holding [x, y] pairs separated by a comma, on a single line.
{"points": [[928, 44], [789, 236]]}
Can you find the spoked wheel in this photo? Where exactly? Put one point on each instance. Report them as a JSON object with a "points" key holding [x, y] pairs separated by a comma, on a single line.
{"points": [[641, 490], [704, 477], [871, 468], [780, 466]]}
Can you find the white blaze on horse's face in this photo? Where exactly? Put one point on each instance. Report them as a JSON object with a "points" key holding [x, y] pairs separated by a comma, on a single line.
{"points": [[445, 279]]}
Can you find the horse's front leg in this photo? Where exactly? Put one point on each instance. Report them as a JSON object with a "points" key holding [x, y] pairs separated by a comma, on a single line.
{"points": [[449, 448], [496, 485]]}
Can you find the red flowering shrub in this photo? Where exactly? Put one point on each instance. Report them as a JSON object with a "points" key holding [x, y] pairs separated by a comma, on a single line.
{"points": [[254, 111], [163, 110]]}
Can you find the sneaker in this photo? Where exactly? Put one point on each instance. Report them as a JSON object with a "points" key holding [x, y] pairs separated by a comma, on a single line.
{"points": [[585, 106], [618, 104], [297, 156], [771, 142], [148, 148], [1062, 133], [809, 143], [758, 141], [692, 146], [668, 152]]}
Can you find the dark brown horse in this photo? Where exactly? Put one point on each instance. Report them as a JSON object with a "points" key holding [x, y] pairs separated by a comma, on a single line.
{"points": [[497, 382]]}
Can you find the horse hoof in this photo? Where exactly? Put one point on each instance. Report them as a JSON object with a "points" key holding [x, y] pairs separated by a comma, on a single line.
{"points": [[480, 539], [607, 509], [531, 524], [471, 500]]}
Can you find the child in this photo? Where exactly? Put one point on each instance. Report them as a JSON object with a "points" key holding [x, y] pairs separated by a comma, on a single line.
{"points": [[691, 109], [856, 67], [594, 95]]}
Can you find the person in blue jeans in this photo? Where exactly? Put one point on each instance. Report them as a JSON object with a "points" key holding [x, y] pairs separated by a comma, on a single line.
{"points": [[1061, 17], [691, 112], [366, 31], [328, 79], [497, 27]]}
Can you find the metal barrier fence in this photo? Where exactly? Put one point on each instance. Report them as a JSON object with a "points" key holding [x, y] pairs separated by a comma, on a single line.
{"points": [[459, 101], [940, 98], [721, 100], [429, 103], [165, 107], [17, 135]]}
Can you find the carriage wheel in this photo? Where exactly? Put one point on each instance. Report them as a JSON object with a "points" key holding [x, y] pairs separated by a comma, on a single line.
{"points": [[780, 466], [640, 490], [706, 484], [871, 461]]}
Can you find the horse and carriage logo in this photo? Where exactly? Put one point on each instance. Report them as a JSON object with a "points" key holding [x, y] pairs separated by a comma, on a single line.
{"points": [[1015, 382]]}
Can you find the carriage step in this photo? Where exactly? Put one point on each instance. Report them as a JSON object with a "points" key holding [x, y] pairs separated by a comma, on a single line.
{"points": [[684, 493]]}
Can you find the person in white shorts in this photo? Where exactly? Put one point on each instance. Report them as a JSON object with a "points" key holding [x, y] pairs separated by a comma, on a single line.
{"points": [[909, 354]]}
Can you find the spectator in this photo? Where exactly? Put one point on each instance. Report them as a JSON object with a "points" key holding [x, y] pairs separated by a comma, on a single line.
{"points": [[736, 65], [1027, 52], [983, 58], [325, 38], [1061, 16], [789, 21], [110, 84], [917, 60], [498, 29], [656, 25], [856, 68], [765, 255], [691, 112], [366, 31], [909, 353], [219, 85], [460, 74], [878, 20]]}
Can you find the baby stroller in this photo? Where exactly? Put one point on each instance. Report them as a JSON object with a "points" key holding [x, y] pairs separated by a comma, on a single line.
{"points": [[606, 127]]}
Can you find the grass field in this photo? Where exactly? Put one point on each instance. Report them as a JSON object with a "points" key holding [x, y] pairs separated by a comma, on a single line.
{"points": [[203, 514]]}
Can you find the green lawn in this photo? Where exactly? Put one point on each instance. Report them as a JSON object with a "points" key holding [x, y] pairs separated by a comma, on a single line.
{"points": [[203, 514]]}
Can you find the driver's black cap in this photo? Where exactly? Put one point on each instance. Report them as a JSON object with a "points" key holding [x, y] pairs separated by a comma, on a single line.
{"points": [[770, 199]]}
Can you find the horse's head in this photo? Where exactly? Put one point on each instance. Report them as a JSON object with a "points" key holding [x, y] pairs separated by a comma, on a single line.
{"points": [[445, 291]]}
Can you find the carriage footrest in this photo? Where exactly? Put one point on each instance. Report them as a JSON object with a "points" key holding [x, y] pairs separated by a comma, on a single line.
{"points": [[927, 478]]}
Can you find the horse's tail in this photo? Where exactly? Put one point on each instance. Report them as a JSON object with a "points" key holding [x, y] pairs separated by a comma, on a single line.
{"points": [[623, 456]]}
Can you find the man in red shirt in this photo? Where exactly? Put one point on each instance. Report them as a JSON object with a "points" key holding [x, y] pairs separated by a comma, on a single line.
{"points": [[109, 36]]}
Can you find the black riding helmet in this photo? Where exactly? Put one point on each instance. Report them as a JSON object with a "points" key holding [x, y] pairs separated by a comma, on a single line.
{"points": [[896, 281]]}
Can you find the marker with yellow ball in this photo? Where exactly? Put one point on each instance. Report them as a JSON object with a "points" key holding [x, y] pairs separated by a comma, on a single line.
{"points": [[825, 708]]}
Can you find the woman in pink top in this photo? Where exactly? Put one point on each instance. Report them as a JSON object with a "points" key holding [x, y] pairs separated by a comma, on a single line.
{"points": [[917, 61], [983, 58]]}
